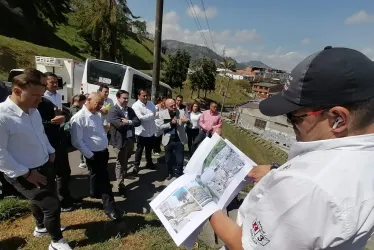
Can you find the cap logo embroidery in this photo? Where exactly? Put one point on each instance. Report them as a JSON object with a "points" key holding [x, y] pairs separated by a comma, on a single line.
{"points": [[258, 234], [288, 82]]}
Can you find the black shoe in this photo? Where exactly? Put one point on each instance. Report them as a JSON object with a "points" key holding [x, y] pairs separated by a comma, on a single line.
{"points": [[169, 177], [95, 196], [122, 190], [77, 201], [129, 177], [135, 171], [151, 166], [113, 216]]}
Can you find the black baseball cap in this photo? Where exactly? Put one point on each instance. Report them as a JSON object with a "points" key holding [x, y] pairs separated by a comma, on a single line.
{"points": [[333, 76]]}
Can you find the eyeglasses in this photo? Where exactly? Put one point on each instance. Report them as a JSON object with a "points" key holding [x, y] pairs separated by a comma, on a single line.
{"points": [[298, 118]]}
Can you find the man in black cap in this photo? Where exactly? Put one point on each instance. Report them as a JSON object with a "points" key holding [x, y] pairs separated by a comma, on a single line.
{"points": [[323, 196]]}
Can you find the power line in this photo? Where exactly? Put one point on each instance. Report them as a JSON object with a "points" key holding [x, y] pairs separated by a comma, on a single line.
{"points": [[197, 22], [207, 23]]}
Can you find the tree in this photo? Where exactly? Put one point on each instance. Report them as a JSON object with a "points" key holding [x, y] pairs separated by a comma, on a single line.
{"points": [[141, 28], [103, 24], [203, 75], [176, 68]]}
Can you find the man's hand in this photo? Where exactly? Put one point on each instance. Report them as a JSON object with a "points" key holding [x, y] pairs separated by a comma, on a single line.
{"points": [[52, 157], [35, 178], [174, 121], [104, 111], [60, 119], [184, 119], [124, 120], [258, 172]]}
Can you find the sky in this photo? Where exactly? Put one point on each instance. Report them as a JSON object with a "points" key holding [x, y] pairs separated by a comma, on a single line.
{"points": [[278, 33]]}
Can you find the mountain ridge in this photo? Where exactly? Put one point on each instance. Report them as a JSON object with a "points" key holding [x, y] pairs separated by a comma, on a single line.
{"points": [[198, 51]]}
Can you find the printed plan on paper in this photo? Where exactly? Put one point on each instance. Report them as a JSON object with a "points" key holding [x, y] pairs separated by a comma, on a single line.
{"points": [[212, 178]]}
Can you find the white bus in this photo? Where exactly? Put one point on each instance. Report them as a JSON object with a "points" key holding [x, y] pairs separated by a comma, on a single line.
{"points": [[118, 76]]}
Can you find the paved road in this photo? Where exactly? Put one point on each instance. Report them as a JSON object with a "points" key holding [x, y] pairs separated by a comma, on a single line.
{"points": [[140, 191]]}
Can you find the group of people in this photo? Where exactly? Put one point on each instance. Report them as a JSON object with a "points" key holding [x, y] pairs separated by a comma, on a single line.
{"points": [[321, 198], [38, 132]]}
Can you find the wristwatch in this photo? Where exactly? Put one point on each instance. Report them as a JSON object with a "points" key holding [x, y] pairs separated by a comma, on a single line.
{"points": [[274, 165]]}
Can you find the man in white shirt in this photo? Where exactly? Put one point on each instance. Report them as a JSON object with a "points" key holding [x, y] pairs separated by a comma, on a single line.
{"points": [[146, 112], [323, 196], [26, 156], [104, 92], [89, 137], [51, 92]]}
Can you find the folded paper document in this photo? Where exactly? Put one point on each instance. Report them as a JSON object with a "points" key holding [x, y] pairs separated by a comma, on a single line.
{"points": [[212, 178]]}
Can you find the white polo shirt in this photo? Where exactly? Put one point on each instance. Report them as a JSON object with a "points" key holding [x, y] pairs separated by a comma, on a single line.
{"points": [[322, 198]]}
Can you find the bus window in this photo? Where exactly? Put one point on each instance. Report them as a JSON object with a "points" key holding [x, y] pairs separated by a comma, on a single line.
{"points": [[139, 82], [103, 72]]}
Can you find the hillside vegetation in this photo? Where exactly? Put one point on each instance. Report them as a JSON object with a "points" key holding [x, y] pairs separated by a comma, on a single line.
{"points": [[67, 43]]}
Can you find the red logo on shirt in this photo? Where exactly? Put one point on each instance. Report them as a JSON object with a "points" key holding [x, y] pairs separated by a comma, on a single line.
{"points": [[258, 234]]}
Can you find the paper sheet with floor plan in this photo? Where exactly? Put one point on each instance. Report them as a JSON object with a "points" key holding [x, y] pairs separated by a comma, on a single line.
{"points": [[212, 179]]}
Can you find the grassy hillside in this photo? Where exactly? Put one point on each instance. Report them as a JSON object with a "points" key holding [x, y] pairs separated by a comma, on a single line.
{"points": [[237, 92], [67, 43]]}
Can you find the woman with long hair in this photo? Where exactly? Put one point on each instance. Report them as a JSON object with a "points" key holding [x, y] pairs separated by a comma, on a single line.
{"points": [[193, 128]]}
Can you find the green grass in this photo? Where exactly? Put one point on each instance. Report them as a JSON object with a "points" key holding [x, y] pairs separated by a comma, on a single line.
{"points": [[89, 229], [259, 150], [237, 92], [12, 208], [20, 54]]}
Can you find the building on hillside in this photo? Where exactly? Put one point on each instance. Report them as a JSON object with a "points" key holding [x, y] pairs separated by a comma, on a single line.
{"points": [[264, 90], [275, 129]]}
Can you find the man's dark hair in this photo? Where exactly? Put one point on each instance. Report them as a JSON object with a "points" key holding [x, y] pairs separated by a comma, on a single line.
{"points": [[78, 98], [34, 72], [140, 90], [121, 92], [180, 97], [213, 102], [24, 81], [362, 111], [46, 74], [103, 86]]}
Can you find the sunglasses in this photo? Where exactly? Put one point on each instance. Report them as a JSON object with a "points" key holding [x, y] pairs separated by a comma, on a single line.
{"points": [[299, 118]]}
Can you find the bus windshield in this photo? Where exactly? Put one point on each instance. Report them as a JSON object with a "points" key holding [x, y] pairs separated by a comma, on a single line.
{"points": [[105, 72]]}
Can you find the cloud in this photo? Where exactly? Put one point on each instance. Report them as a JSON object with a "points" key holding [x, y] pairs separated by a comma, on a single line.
{"points": [[210, 12], [360, 17], [231, 40], [172, 30], [306, 41]]}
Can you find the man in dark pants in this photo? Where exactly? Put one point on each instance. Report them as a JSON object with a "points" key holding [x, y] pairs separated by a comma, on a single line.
{"points": [[52, 125], [146, 112], [174, 137], [89, 137], [53, 119], [26, 156], [122, 120]]}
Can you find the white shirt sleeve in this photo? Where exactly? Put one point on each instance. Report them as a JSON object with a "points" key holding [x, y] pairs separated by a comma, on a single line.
{"points": [[293, 214], [76, 132], [7, 163], [142, 117]]}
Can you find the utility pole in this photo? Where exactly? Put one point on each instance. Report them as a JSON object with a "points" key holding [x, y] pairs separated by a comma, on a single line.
{"points": [[157, 49], [228, 81]]}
